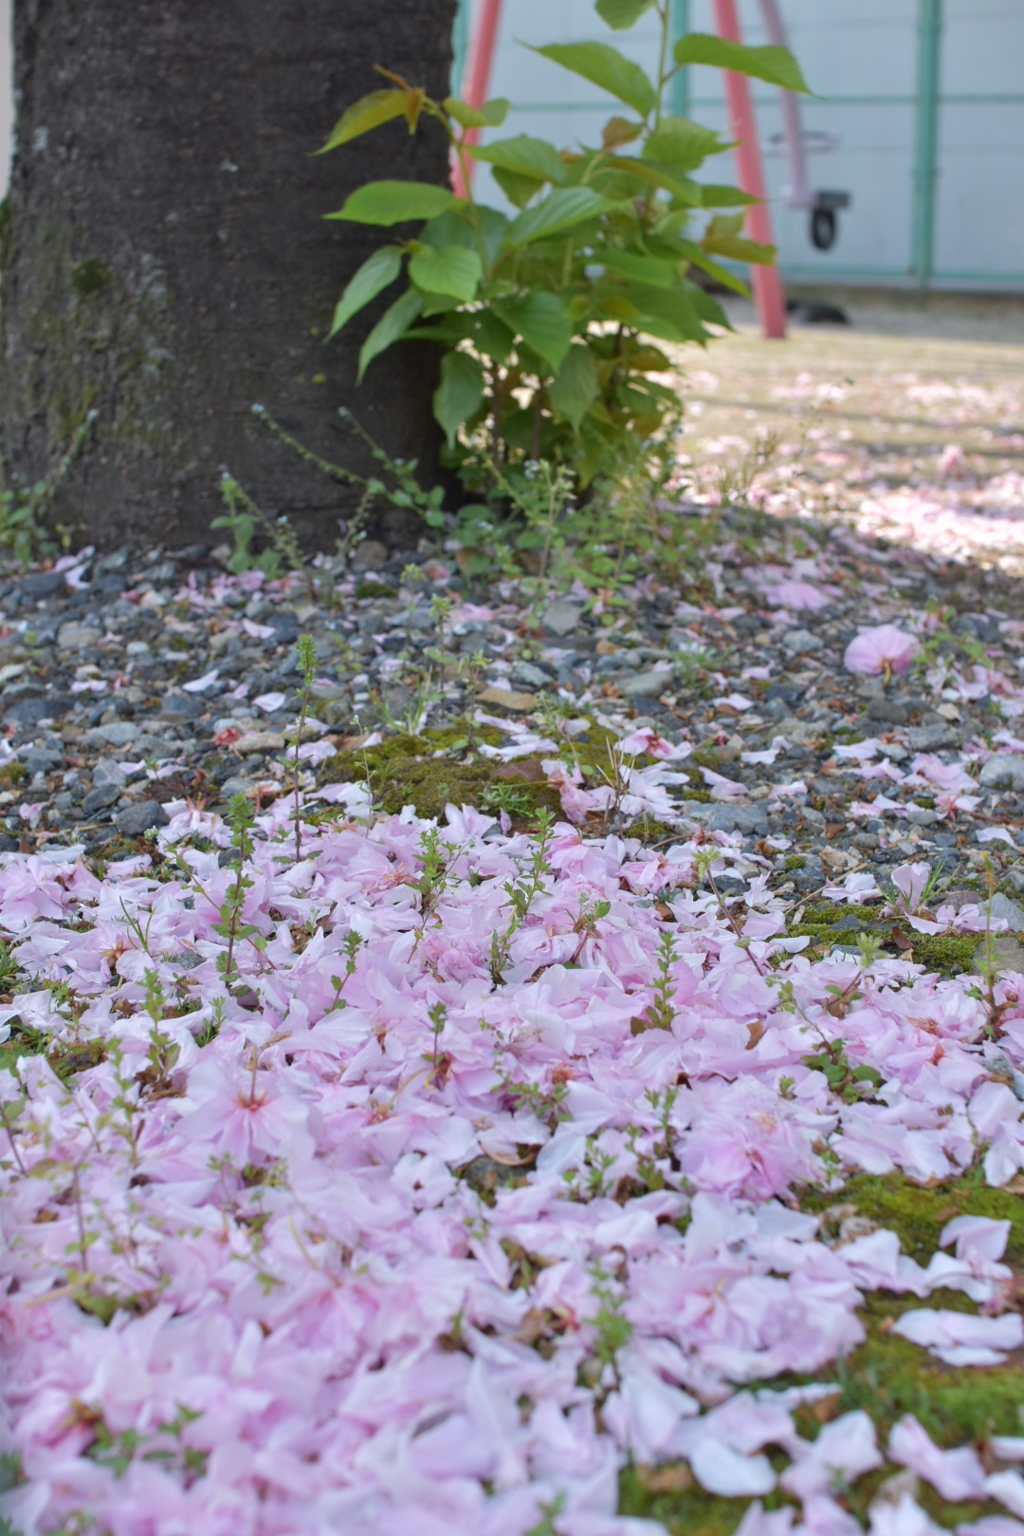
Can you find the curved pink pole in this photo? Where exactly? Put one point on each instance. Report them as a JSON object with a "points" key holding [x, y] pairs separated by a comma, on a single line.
{"points": [[482, 43], [765, 281]]}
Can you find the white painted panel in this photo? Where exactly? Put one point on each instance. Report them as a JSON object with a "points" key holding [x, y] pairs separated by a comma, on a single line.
{"points": [[983, 46], [980, 207]]}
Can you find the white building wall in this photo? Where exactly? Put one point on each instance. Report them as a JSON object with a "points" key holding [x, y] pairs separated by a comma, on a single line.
{"points": [[860, 59]]}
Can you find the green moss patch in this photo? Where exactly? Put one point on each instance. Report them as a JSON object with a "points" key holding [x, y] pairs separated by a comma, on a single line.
{"points": [[374, 589], [827, 923], [89, 277], [689, 1512], [917, 1215], [949, 953], [403, 770]]}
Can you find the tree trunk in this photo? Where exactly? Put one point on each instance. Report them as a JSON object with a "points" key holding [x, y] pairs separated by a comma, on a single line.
{"points": [[166, 262]]}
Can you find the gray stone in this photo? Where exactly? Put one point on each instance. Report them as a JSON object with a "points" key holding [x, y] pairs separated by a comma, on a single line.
{"points": [[43, 585], [921, 815], [74, 636], [1002, 951], [737, 818], [41, 760], [1005, 906], [561, 617], [285, 625], [646, 685], [238, 784], [140, 817], [117, 734], [180, 706], [31, 711], [325, 690], [100, 796], [888, 711], [157, 747], [928, 738], [799, 641], [25, 688], [747, 819], [371, 553], [526, 675], [109, 771], [812, 876], [1003, 771]]}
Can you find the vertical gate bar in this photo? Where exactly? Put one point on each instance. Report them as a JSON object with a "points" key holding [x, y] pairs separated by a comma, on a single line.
{"points": [[926, 140], [460, 44], [681, 79]]}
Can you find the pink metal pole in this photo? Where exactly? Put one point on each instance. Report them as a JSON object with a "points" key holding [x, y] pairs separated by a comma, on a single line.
{"points": [[482, 43], [797, 194], [765, 281]]}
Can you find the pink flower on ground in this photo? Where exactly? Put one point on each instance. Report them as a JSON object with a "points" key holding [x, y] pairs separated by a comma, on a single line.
{"points": [[911, 881], [648, 740], [722, 788], [882, 650]]}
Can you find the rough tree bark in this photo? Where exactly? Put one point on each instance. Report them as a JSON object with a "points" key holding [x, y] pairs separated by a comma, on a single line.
{"points": [[166, 263]]}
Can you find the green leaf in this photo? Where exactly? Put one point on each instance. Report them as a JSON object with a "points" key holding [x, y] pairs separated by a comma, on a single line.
{"points": [[622, 14], [681, 144], [517, 188], [656, 176], [392, 324], [739, 249], [708, 307], [492, 336], [606, 68], [575, 386], [639, 268], [721, 274], [379, 107], [491, 115], [395, 202], [722, 238], [447, 333], [448, 229], [459, 393], [560, 210], [725, 197], [455, 270], [540, 319], [530, 157], [776, 65], [666, 313], [376, 272], [454, 228]]}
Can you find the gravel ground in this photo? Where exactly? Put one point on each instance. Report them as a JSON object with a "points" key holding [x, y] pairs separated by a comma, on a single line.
{"points": [[148, 679]]}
